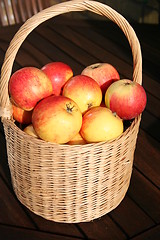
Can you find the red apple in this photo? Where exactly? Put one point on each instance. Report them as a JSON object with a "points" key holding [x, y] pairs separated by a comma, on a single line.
{"points": [[103, 73], [100, 124], [84, 90], [20, 115], [57, 119], [126, 98], [58, 73], [29, 85]]}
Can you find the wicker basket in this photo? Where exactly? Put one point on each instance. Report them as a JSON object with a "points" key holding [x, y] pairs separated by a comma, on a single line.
{"points": [[67, 183]]}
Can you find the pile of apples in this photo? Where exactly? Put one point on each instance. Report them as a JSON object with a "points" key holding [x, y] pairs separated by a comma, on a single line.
{"points": [[54, 105]]}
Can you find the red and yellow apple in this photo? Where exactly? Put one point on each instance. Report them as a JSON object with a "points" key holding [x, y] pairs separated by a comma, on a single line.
{"points": [[103, 73], [77, 140], [84, 90], [29, 85], [30, 131], [59, 73], [57, 119], [20, 115], [100, 124], [127, 98]]}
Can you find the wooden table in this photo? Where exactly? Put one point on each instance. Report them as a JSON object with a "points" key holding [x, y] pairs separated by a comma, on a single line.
{"points": [[80, 43]]}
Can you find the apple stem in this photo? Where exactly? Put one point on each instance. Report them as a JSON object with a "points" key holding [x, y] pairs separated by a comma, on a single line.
{"points": [[69, 107], [90, 105], [95, 66], [127, 83], [114, 114]]}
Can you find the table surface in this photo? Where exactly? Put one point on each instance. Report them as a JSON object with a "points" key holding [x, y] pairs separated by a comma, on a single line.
{"points": [[81, 43]]}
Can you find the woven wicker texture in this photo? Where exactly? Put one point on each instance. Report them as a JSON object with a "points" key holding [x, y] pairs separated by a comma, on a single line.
{"points": [[61, 182]]}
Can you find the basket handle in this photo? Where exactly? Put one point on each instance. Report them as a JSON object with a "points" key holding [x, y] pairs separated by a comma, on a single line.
{"points": [[64, 7]]}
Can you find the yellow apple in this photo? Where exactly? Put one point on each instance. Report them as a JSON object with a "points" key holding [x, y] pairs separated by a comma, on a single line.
{"points": [[57, 119], [30, 131], [77, 139], [84, 90], [100, 124]]}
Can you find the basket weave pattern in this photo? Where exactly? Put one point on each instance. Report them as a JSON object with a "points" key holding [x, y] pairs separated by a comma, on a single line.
{"points": [[61, 182]]}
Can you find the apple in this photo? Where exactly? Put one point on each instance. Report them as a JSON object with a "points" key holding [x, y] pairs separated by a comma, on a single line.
{"points": [[77, 139], [20, 115], [84, 90], [29, 85], [58, 73], [100, 124], [57, 119], [103, 73], [127, 98], [30, 131]]}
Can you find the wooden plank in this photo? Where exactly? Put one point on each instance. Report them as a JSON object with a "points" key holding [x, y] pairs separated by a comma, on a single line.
{"points": [[147, 157], [151, 234], [150, 59], [149, 52], [66, 45], [100, 46], [2, 57], [6, 36], [23, 58], [38, 55], [146, 195], [95, 49], [151, 125], [53, 52], [9, 31], [11, 210], [3, 48], [153, 101], [8, 233], [54, 227], [27, 54], [148, 33], [4, 168], [115, 38], [102, 229], [89, 34], [32, 55], [131, 218]]}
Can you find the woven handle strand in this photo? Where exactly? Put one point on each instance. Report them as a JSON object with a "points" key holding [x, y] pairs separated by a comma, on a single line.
{"points": [[70, 6]]}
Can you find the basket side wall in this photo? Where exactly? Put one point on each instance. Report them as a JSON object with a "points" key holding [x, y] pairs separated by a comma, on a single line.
{"points": [[70, 184]]}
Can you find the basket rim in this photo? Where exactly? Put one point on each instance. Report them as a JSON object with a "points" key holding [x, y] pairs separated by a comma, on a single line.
{"points": [[77, 146]]}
